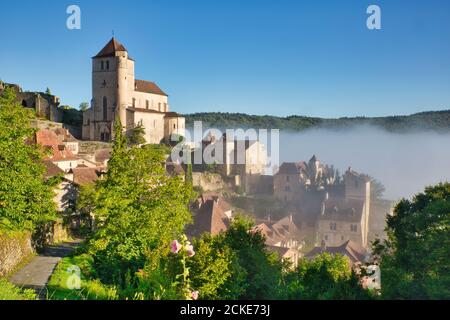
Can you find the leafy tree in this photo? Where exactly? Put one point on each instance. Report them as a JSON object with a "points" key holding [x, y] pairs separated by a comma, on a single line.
{"points": [[83, 106], [259, 273], [415, 260], [138, 210], [323, 278], [26, 200], [137, 135], [212, 266]]}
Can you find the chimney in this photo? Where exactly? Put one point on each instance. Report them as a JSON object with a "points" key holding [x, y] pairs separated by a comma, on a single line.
{"points": [[323, 245], [291, 217]]}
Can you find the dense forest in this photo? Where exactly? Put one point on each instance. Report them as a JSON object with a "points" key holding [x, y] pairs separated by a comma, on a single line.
{"points": [[432, 120]]}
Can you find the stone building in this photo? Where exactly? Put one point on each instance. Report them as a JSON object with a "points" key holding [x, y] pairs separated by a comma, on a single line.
{"points": [[45, 105], [116, 93]]}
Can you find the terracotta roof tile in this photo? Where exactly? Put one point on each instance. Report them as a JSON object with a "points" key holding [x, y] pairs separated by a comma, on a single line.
{"points": [[148, 87], [110, 49]]}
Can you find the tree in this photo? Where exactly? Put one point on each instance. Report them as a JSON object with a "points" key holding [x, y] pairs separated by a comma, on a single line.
{"points": [[26, 200], [138, 210], [415, 259], [323, 278], [48, 91], [83, 106], [258, 273], [137, 135]]}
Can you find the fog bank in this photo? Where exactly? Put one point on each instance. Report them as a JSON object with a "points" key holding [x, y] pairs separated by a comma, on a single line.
{"points": [[404, 163]]}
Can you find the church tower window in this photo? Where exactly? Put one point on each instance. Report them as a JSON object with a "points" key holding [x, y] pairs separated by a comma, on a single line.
{"points": [[105, 108]]}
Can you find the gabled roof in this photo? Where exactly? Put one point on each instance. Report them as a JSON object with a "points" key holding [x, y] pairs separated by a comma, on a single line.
{"points": [[110, 49], [52, 170], [148, 87], [58, 151], [210, 218], [349, 248], [83, 176]]}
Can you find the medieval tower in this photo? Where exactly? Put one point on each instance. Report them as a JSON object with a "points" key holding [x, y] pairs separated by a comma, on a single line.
{"points": [[116, 94]]}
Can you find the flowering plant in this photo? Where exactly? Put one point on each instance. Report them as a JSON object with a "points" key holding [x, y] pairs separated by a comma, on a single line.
{"points": [[184, 249]]}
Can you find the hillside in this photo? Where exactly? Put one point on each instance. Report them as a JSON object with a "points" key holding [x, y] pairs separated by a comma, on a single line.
{"points": [[432, 120]]}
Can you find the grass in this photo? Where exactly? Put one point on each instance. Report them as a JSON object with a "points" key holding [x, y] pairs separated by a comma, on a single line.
{"points": [[10, 292], [90, 289]]}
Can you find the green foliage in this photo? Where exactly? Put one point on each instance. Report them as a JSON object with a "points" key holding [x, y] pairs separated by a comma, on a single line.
{"points": [[211, 268], [138, 209], [415, 260], [259, 273], [325, 277], [25, 198], [433, 120], [10, 292], [137, 135], [90, 288], [83, 106], [48, 91], [71, 116]]}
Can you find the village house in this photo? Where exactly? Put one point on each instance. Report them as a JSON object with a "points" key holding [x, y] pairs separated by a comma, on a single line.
{"points": [[282, 237], [355, 253], [117, 94], [211, 214]]}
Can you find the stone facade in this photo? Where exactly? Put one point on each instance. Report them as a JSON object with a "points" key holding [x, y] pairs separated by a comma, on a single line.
{"points": [[14, 248], [45, 105], [117, 94]]}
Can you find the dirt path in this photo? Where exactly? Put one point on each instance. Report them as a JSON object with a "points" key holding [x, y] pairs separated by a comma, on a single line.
{"points": [[37, 272]]}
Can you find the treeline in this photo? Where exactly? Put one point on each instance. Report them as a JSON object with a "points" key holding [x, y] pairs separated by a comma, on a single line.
{"points": [[433, 120]]}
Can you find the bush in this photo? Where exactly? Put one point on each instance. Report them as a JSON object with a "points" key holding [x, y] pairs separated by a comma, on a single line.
{"points": [[10, 292]]}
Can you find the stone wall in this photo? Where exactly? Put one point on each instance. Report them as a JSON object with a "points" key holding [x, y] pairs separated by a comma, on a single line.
{"points": [[14, 248], [208, 181]]}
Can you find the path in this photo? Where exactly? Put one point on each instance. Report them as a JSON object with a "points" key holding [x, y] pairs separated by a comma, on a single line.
{"points": [[37, 272]]}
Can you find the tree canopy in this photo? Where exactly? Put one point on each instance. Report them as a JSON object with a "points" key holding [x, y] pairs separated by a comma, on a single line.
{"points": [[26, 200]]}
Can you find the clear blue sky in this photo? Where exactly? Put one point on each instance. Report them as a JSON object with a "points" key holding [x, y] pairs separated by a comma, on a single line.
{"points": [[283, 57]]}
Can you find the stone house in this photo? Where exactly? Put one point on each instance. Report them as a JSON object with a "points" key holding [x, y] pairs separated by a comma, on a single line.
{"points": [[354, 252]]}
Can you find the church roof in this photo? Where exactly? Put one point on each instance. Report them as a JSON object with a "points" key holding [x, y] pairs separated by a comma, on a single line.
{"points": [[110, 49], [148, 87]]}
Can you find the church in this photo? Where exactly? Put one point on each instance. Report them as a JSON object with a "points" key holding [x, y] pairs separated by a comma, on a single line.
{"points": [[116, 94]]}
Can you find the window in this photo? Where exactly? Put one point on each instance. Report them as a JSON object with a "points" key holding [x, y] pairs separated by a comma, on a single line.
{"points": [[165, 107], [147, 104], [174, 126], [287, 188], [24, 103], [134, 103], [287, 178], [103, 64], [105, 108], [154, 123], [107, 65], [333, 226], [326, 237], [354, 228], [159, 106]]}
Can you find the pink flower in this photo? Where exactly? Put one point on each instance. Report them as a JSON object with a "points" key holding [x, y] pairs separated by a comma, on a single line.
{"points": [[175, 246], [190, 250], [194, 295]]}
